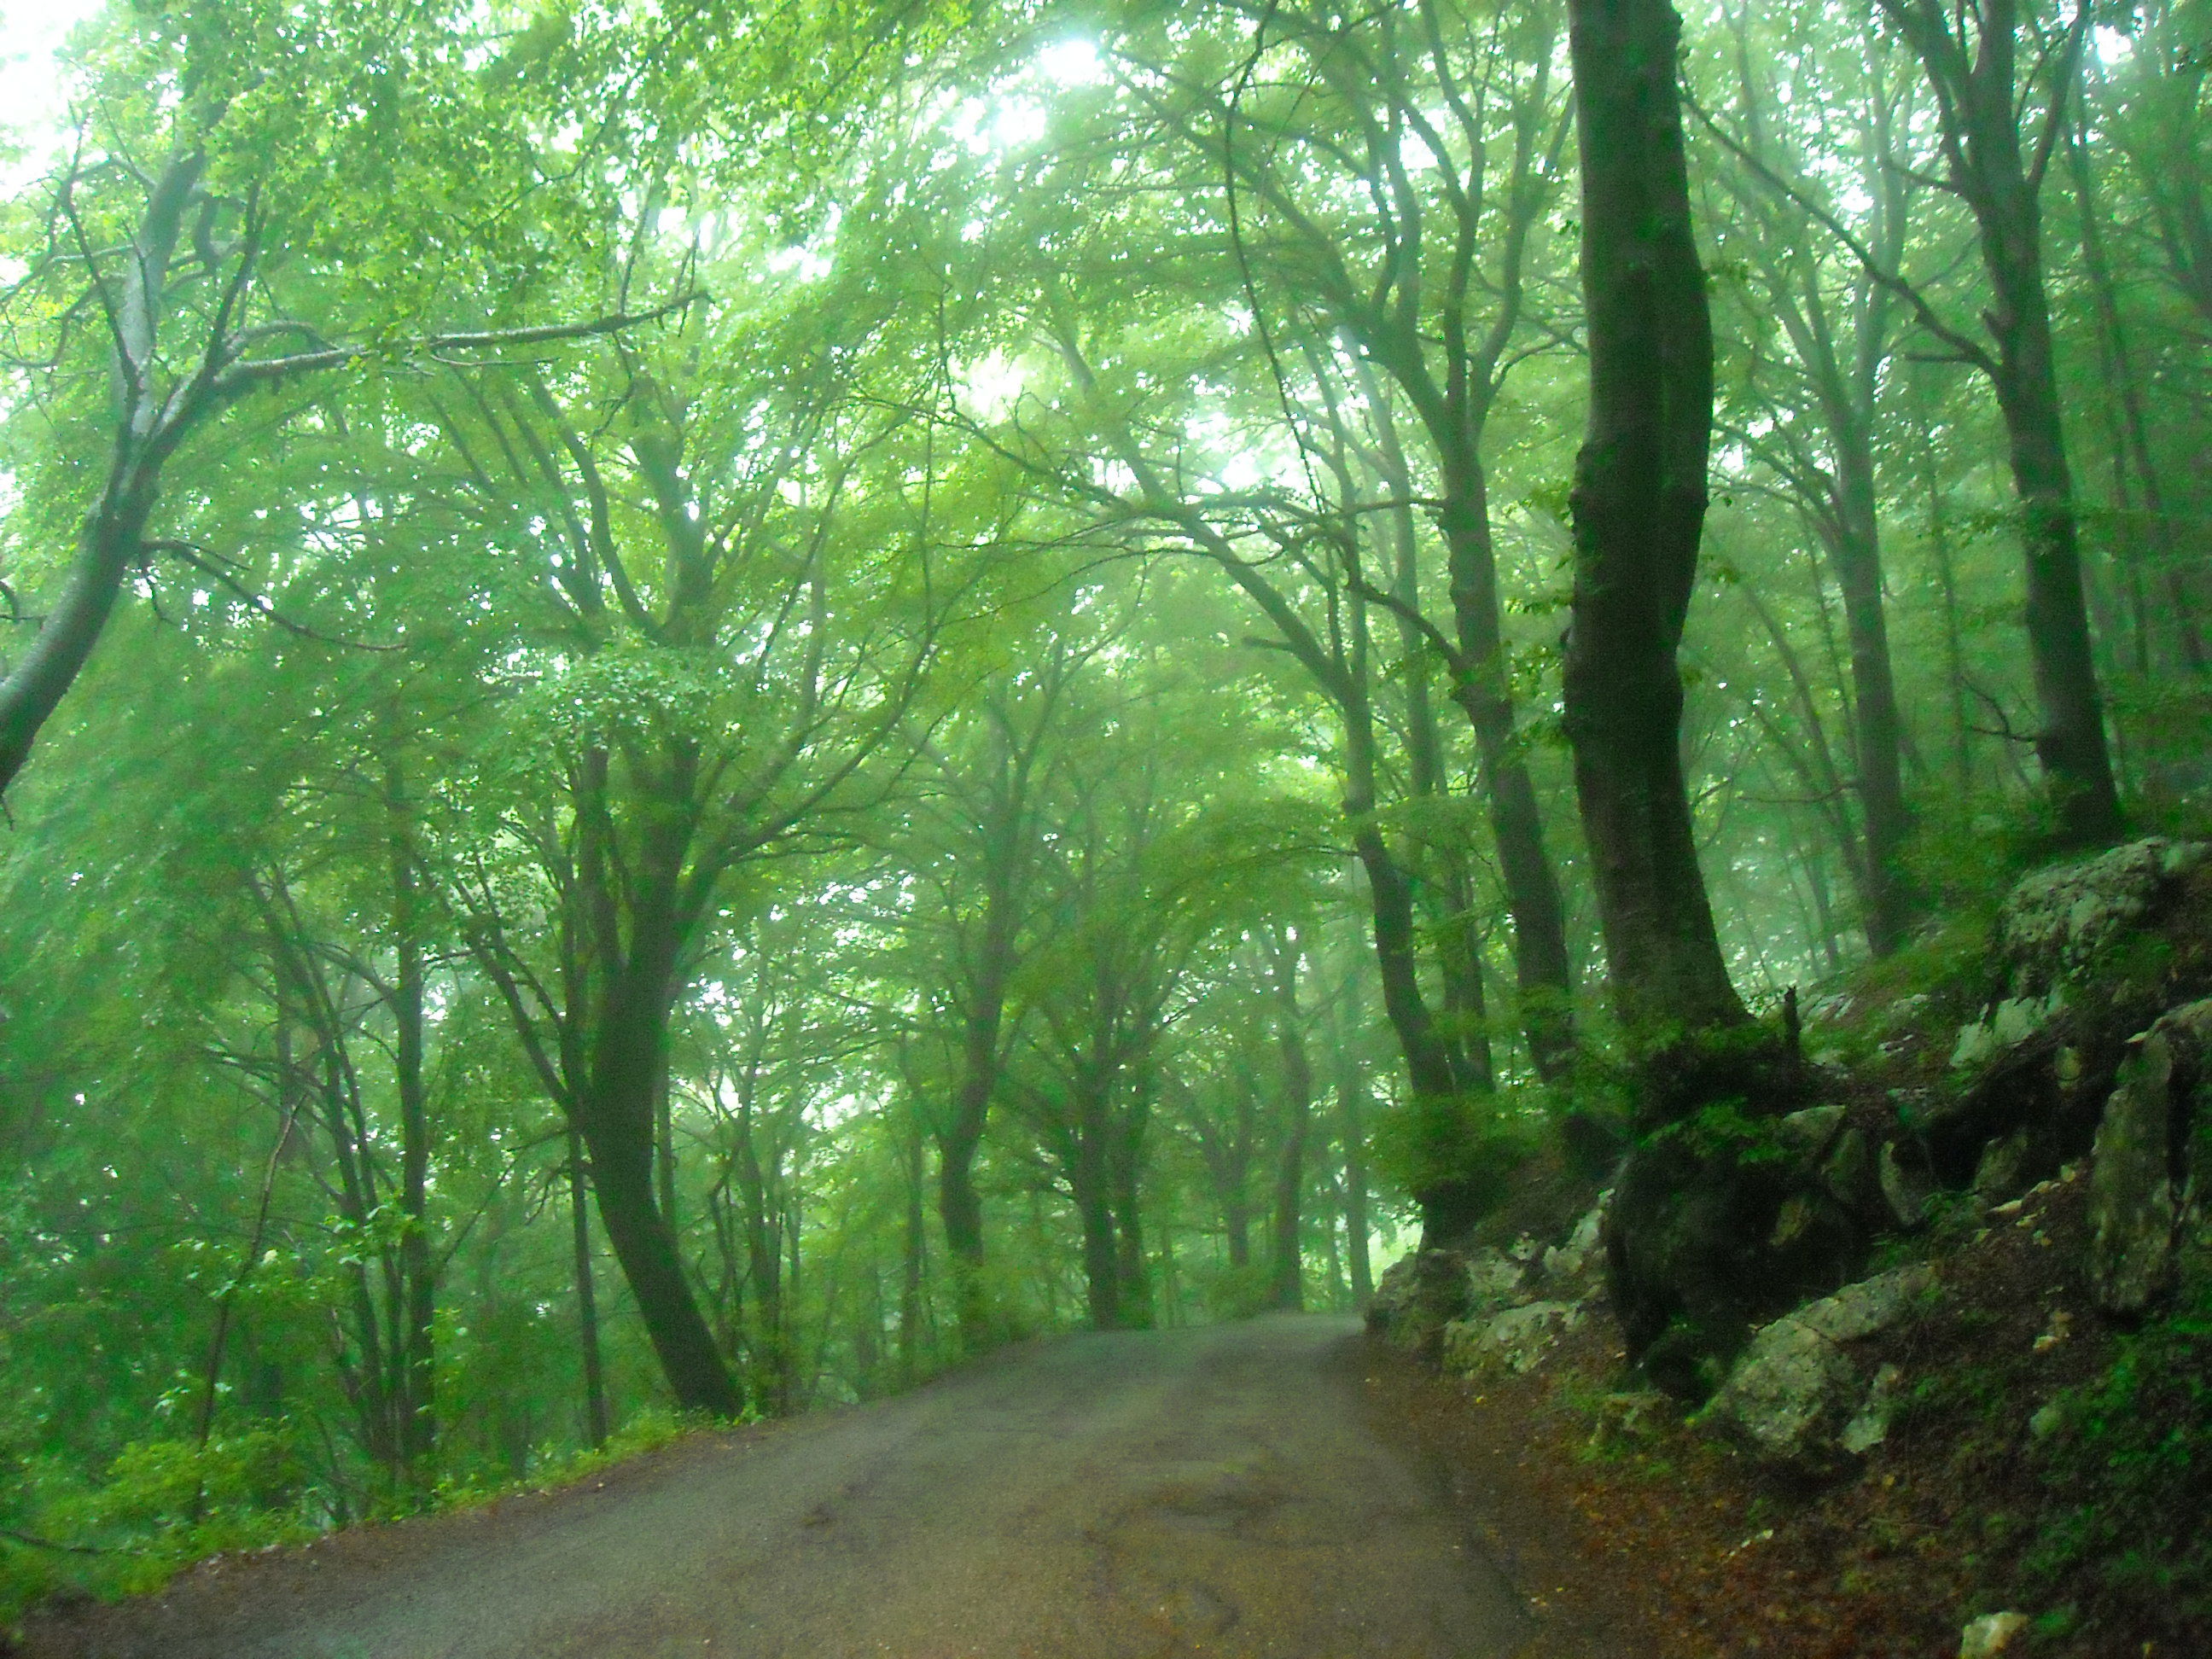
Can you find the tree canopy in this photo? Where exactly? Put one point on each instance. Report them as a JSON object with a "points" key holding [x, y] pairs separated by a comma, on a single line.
{"points": [[702, 704]]}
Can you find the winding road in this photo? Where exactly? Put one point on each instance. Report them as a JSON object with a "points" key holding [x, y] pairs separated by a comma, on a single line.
{"points": [[1219, 1491]]}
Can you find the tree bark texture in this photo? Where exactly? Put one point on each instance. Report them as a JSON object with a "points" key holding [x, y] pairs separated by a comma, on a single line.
{"points": [[1639, 507]]}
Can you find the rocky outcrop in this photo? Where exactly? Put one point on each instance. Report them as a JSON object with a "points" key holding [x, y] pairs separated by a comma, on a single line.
{"points": [[1514, 1340], [2057, 922], [1417, 1297], [2141, 1184], [1720, 1225], [2087, 955], [1801, 1396], [1510, 1306]]}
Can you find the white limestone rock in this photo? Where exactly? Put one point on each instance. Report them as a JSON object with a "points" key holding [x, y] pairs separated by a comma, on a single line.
{"points": [[1798, 1394]]}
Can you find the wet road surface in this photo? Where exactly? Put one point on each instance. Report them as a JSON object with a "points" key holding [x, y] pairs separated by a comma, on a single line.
{"points": [[1134, 1495]]}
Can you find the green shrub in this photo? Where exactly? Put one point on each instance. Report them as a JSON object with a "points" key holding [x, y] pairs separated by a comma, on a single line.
{"points": [[1475, 1144]]}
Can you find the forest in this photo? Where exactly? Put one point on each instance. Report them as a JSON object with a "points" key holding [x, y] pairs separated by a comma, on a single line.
{"points": [[704, 706]]}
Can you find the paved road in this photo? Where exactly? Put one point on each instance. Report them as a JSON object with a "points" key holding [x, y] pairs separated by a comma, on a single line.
{"points": [[1212, 1491]]}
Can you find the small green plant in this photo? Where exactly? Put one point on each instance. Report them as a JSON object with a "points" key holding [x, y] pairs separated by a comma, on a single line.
{"points": [[1725, 1130]]}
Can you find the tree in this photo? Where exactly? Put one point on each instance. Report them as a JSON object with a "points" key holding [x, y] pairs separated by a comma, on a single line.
{"points": [[1997, 168], [1640, 507], [206, 238], [978, 844], [740, 638], [1820, 432]]}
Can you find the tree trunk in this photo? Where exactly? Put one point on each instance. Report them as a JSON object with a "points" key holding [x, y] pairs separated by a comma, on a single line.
{"points": [[2135, 425], [418, 1271], [1543, 972], [1134, 1297], [1091, 1185], [2071, 743], [1877, 727], [960, 1206], [1638, 507], [770, 1348], [617, 1108], [1974, 73], [1286, 1269], [1231, 1168], [596, 1425], [916, 1263], [616, 1113], [1353, 1129], [1542, 968], [960, 1210]]}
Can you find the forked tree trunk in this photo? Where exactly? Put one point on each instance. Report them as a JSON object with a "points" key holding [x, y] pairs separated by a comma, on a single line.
{"points": [[1639, 508]]}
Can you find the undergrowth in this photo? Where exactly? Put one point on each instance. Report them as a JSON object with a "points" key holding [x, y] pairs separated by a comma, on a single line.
{"points": [[2127, 1464], [167, 1505]]}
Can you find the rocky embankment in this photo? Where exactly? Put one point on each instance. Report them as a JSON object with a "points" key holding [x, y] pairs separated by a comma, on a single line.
{"points": [[2011, 1162]]}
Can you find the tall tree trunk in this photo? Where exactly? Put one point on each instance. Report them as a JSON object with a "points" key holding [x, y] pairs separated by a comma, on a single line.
{"points": [[1877, 727], [2071, 744], [617, 1108], [664, 1151], [960, 1211], [1448, 1205], [1543, 970], [770, 1349], [616, 1113], [2126, 391], [596, 1425], [959, 1204], [1639, 507], [916, 1262], [1089, 1180], [1286, 1267], [1351, 1130], [418, 1271], [1973, 70], [1131, 1269]]}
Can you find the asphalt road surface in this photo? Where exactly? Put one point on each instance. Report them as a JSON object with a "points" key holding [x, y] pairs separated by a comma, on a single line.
{"points": [[1209, 1492]]}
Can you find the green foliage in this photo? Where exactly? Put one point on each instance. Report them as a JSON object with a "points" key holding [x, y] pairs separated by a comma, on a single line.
{"points": [[978, 565], [1475, 1144], [2126, 1468], [1723, 1130], [160, 1505]]}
